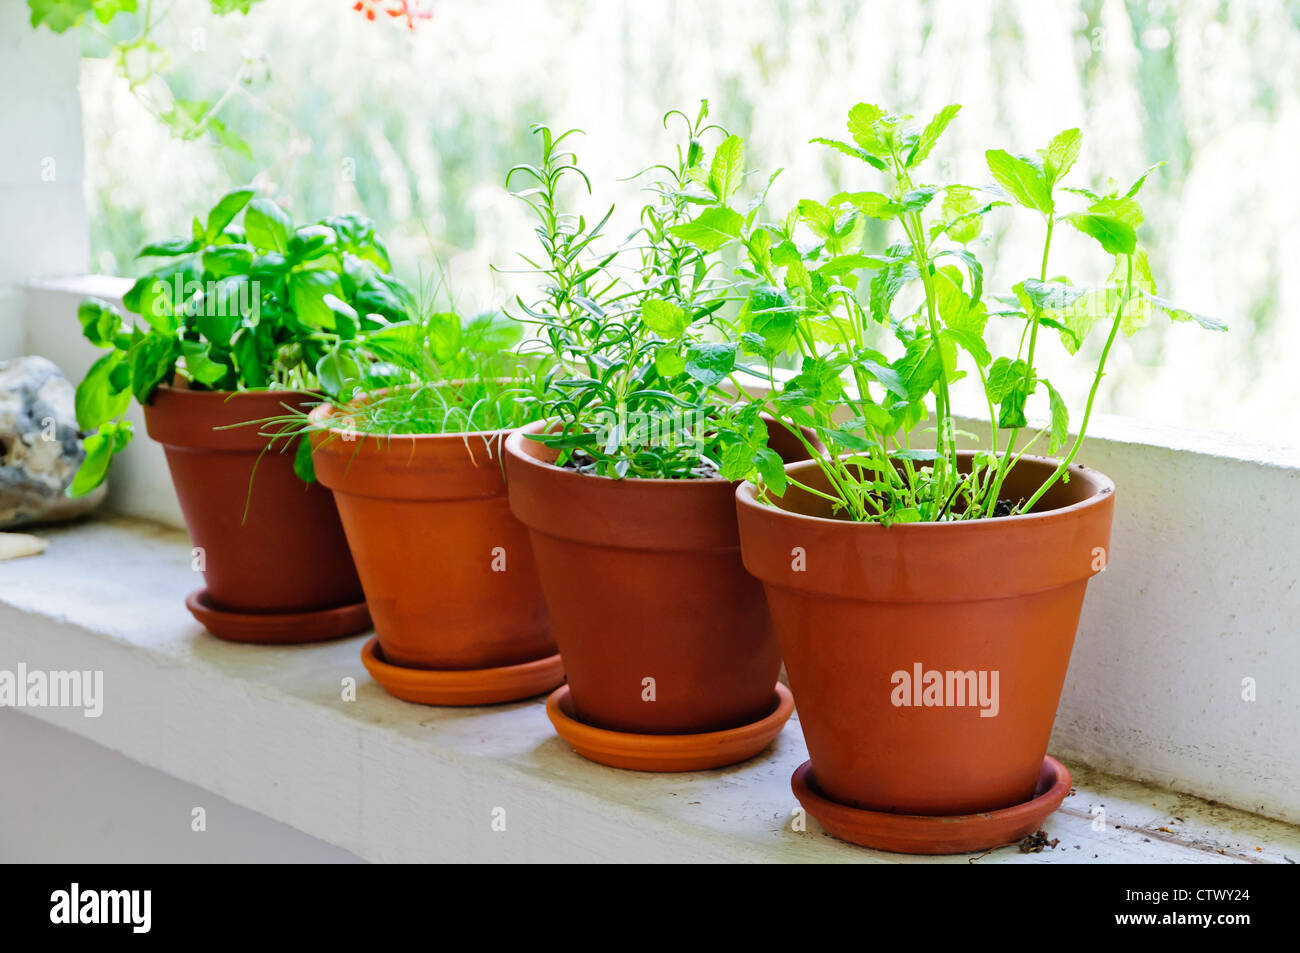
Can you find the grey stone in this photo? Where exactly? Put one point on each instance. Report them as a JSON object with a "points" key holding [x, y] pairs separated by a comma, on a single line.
{"points": [[40, 444]]}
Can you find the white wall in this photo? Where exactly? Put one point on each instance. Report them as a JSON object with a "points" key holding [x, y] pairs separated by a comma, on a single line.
{"points": [[68, 800], [46, 232]]}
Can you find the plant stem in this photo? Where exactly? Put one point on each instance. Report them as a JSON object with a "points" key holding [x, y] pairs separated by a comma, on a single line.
{"points": [[1092, 394], [990, 504]]}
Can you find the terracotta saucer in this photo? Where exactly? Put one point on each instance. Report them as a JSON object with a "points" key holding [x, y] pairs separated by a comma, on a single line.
{"points": [[918, 834], [478, 686], [278, 628], [712, 749]]}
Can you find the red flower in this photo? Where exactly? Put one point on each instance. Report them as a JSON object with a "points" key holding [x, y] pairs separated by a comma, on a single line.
{"points": [[410, 9], [367, 7]]}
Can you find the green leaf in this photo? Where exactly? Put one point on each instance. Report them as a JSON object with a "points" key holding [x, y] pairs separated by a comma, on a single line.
{"points": [[971, 343], [1022, 178], [223, 7], [152, 358], [97, 399], [873, 204], [887, 283], [872, 128], [737, 462], [307, 291], [100, 322], [931, 133], [1003, 377], [222, 261], [1060, 155], [217, 314], [669, 363], [267, 225], [818, 380], [1010, 384], [228, 138], [1141, 180], [338, 373], [849, 150], [199, 365], [100, 449], [917, 199], [169, 248], [303, 464], [1060, 419], [770, 314], [962, 214], [1114, 235], [59, 15], [771, 470], [915, 455], [710, 363], [727, 170], [346, 321], [888, 377], [160, 295], [1176, 313], [919, 368], [224, 212], [1126, 209], [712, 229], [665, 318], [1051, 295]]}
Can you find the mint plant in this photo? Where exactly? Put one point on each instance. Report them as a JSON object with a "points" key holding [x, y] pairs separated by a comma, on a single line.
{"points": [[260, 306], [636, 333], [804, 296]]}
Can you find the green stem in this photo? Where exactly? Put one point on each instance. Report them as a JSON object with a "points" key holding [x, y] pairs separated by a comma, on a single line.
{"points": [[1092, 395]]}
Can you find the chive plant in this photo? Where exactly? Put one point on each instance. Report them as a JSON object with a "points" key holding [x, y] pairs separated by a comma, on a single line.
{"points": [[802, 281]]}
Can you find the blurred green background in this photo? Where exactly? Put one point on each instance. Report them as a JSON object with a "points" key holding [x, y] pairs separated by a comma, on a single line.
{"points": [[417, 129]]}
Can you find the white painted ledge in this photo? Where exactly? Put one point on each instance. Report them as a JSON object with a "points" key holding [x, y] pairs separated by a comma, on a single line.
{"points": [[388, 781]]}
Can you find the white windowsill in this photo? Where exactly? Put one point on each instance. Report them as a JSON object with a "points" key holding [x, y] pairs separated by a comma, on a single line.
{"points": [[386, 780]]}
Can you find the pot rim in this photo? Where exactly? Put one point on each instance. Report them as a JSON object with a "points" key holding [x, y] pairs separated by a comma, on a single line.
{"points": [[189, 393], [516, 437], [1104, 487], [319, 413]]}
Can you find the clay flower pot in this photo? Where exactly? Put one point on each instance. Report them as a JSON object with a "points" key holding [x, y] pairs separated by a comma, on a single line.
{"points": [[447, 570], [273, 554], [662, 631], [927, 659]]}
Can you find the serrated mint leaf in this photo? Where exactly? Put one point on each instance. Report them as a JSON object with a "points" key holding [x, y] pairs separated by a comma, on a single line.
{"points": [[1022, 178], [712, 229], [1051, 295], [1060, 429], [710, 363], [666, 319], [727, 170], [1113, 234], [925, 142], [1060, 155]]}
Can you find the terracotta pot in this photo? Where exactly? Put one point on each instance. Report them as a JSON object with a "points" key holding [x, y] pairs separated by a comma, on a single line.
{"points": [[860, 609], [271, 543], [447, 569], [644, 581]]}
